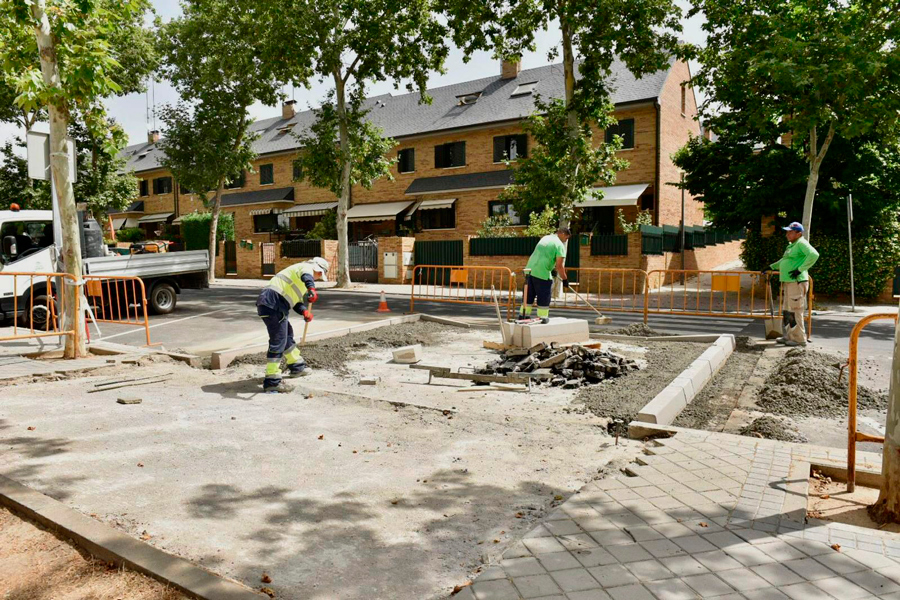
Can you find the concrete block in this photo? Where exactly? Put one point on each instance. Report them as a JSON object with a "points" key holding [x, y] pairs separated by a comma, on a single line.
{"points": [[444, 321], [687, 385], [369, 380], [665, 407], [699, 373], [559, 329], [408, 355], [715, 356], [727, 342]]}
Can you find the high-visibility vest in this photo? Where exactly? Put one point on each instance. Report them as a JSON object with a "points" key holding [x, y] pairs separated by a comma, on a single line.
{"points": [[288, 283]]}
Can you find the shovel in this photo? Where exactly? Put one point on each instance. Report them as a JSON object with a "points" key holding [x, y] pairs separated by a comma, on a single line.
{"points": [[773, 325]]}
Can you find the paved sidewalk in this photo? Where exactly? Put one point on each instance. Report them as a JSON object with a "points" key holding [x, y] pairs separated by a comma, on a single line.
{"points": [[702, 515]]}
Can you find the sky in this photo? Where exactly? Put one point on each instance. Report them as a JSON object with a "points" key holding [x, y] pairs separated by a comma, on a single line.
{"points": [[131, 110]]}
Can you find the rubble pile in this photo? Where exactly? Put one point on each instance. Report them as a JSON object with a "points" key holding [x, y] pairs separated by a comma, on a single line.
{"points": [[567, 366]]}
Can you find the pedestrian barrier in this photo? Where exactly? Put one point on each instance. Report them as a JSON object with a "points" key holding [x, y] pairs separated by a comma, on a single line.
{"points": [[611, 290], [854, 436], [118, 299], [35, 305], [463, 285]]}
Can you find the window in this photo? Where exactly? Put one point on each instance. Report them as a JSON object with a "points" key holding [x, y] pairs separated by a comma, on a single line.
{"points": [[450, 155], [647, 202], [510, 147], [524, 89], [144, 188], [599, 219], [504, 208], [438, 218], [625, 130], [467, 99], [266, 174], [264, 223], [406, 160], [162, 185], [298, 171], [236, 182], [30, 236], [183, 189]]}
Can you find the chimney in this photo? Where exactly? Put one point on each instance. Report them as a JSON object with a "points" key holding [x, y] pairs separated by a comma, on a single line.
{"points": [[510, 69], [287, 109], [153, 136]]}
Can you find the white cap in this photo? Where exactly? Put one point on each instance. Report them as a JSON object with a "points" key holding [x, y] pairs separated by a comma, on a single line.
{"points": [[321, 265]]}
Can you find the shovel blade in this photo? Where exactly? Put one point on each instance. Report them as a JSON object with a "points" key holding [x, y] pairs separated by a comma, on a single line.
{"points": [[773, 328]]}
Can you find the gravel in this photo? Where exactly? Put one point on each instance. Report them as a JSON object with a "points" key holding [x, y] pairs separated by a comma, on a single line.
{"points": [[333, 354], [624, 397], [637, 330], [806, 383], [711, 408], [773, 428]]}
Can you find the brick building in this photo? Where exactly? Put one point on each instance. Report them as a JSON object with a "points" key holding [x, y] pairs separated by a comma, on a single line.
{"points": [[450, 166]]}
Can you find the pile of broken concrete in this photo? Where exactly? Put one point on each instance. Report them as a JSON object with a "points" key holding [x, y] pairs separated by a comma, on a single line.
{"points": [[566, 366]]}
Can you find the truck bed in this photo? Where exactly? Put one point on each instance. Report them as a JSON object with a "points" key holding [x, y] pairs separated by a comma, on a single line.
{"points": [[149, 265]]}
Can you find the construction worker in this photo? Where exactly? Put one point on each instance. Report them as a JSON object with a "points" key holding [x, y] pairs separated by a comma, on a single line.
{"points": [[293, 287], [798, 258], [547, 260]]}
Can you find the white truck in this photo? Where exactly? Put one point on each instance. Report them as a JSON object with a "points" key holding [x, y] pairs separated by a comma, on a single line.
{"points": [[26, 246]]}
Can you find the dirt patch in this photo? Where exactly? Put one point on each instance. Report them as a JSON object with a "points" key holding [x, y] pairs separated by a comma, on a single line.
{"points": [[805, 383], [711, 408], [333, 354], [36, 565], [830, 501], [773, 428], [637, 330], [623, 397]]}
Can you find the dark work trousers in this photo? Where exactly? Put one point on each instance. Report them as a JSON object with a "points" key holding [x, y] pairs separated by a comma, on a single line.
{"points": [[281, 338], [539, 289]]}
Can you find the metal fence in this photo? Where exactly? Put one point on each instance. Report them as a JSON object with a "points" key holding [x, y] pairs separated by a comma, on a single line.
{"points": [[651, 239], [36, 306], [301, 248], [611, 290], [463, 285], [121, 300], [503, 246], [609, 245]]}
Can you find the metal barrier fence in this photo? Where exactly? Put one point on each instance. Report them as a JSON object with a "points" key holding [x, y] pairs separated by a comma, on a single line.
{"points": [[854, 436], [463, 285], [118, 299], [612, 290], [35, 305]]}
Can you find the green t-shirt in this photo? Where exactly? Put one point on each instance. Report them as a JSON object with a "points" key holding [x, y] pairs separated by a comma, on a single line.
{"points": [[543, 259], [799, 255]]}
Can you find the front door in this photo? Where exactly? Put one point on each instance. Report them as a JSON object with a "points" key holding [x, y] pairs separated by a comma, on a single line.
{"points": [[268, 258], [230, 257]]}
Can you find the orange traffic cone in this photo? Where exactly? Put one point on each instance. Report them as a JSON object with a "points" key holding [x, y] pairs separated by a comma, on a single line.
{"points": [[382, 306]]}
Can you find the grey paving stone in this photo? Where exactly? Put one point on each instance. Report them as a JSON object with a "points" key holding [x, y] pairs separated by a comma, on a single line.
{"points": [[611, 537], [671, 589], [776, 574], [803, 591], [841, 564], [809, 569], [575, 580], [588, 595], [683, 565], [629, 553], [644, 534], [673, 530], [557, 561], [516, 551], [630, 592], [516, 567], [808, 547], [839, 587], [494, 572], [535, 586], [610, 576], [578, 541], [539, 546], [694, 544], [649, 570], [743, 579], [627, 520], [892, 573], [765, 594], [539, 531], [708, 586], [717, 560], [874, 582], [563, 527], [781, 551], [595, 523], [465, 594], [870, 559], [754, 536], [748, 555], [662, 548], [723, 539], [594, 557], [498, 589]]}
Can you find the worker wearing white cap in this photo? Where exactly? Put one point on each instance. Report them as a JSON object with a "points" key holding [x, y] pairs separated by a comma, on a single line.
{"points": [[292, 288]]}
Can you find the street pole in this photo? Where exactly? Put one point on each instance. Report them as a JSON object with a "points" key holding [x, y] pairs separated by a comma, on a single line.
{"points": [[850, 242], [683, 279]]}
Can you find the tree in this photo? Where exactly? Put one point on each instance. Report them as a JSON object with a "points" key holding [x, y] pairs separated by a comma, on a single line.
{"points": [[68, 68], [594, 34], [211, 55], [809, 68], [352, 44], [15, 185], [887, 507]]}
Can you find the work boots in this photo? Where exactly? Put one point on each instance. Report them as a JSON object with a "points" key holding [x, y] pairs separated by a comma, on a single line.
{"points": [[298, 370], [280, 388]]}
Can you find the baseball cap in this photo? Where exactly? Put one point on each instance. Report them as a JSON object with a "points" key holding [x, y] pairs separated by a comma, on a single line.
{"points": [[795, 226], [321, 265]]}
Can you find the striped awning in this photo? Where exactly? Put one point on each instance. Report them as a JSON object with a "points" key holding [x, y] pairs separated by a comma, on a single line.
{"points": [[118, 223], [310, 210], [384, 211], [436, 204], [155, 218], [616, 195], [264, 211]]}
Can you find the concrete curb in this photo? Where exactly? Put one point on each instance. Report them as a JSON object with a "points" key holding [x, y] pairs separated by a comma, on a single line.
{"points": [[668, 404], [708, 338], [223, 358], [109, 545]]}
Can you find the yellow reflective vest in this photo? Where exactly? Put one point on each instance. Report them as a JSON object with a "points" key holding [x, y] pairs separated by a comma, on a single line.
{"points": [[288, 282]]}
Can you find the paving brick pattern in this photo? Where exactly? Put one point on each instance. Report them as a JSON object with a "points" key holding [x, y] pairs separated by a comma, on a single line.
{"points": [[699, 515]]}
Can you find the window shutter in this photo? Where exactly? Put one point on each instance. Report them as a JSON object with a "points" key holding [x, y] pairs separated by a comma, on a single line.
{"points": [[522, 145], [143, 188], [499, 148], [459, 154], [439, 157], [627, 133]]}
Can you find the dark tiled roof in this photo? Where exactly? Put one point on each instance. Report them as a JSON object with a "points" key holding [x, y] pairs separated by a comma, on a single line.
{"points": [[136, 206], [468, 181], [403, 115], [258, 197]]}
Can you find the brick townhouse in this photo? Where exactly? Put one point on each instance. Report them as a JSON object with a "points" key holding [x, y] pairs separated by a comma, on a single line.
{"points": [[450, 161]]}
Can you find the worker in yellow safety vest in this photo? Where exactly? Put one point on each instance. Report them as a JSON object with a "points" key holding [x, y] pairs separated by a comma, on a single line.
{"points": [[293, 287]]}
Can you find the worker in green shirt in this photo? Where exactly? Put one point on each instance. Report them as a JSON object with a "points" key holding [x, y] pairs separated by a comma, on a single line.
{"points": [[549, 255], [792, 269]]}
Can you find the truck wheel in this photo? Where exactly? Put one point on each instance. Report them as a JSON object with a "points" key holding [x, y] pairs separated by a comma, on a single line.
{"points": [[162, 299], [37, 314]]}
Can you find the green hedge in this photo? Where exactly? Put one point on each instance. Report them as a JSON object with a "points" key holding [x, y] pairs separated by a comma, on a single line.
{"points": [[195, 229], [875, 255], [130, 234]]}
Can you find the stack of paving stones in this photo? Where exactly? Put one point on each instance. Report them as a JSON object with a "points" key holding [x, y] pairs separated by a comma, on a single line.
{"points": [[700, 515], [569, 367]]}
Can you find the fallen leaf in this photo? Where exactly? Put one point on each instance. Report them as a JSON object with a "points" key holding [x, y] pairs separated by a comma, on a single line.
{"points": [[557, 497], [266, 578], [496, 541], [702, 524], [355, 452], [146, 536], [519, 515], [458, 588], [321, 437], [394, 501], [140, 464], [825, 496], [268, 591], [31, 429], [836, 547]]}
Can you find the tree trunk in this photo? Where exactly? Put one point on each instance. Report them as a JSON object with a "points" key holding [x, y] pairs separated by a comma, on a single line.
{"points": [[571, 115], [73, 317], [887, 508], [343, 257], [214, 228], [815, 157]]}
